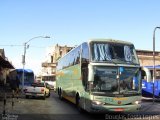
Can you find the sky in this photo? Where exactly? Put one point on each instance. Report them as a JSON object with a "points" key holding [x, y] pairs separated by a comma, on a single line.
{"points": [[71, 22]]}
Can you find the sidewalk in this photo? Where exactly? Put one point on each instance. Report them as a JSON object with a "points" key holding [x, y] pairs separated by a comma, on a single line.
{"points": [[3, 93], [11, 103]]}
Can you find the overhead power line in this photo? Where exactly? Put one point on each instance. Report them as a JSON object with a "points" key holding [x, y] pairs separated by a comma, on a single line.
{"points": [[23, 45], [11, 45]]}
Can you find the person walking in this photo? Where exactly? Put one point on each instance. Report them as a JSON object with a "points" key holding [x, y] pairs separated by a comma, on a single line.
{"points": [[14, 83], [17, 87]]}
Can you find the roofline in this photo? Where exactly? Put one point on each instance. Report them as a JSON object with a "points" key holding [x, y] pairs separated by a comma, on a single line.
{"points": [[110, 40], [146, 50]]}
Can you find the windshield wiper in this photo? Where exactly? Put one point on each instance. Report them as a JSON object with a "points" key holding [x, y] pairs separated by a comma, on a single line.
{"points": [[132, 62], [121, 59], [132, 92], [128, 92]]}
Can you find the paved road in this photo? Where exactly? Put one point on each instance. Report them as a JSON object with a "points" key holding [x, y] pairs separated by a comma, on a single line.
{"points": [[54, 109], [50, 109]]}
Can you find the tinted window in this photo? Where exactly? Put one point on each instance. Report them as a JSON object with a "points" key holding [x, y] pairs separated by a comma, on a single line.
{"points": [[85, 53], [77, 56], [117, 53], [72, 58], [38, 84]]}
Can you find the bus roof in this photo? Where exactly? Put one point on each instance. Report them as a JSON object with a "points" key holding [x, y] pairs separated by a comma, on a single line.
{"points": [[25, 70], [111, 41], [101, 40]]}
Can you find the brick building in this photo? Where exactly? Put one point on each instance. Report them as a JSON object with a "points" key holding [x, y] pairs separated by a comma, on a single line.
{"points": [[146, 57]]}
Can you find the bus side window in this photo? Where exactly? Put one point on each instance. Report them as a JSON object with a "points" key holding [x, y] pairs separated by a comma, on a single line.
{"points": [[157, 74], [144, 75], [77, 56], [85, 54]]}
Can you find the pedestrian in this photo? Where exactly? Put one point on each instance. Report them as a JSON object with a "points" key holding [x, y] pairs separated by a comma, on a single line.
{"points": [[14, 83], [17, 87]]}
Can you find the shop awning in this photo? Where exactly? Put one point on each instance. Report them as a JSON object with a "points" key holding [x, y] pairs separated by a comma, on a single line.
{"points": [[5, 64]]}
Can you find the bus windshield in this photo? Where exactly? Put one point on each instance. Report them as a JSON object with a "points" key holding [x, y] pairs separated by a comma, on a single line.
{"points": [[114, 52], [105, 80]]}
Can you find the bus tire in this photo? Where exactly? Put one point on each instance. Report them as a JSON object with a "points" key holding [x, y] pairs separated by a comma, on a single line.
{"points": [[44, 97], [48, 94], [60, 94], [27, 96], [58, 91], [78, 104]]}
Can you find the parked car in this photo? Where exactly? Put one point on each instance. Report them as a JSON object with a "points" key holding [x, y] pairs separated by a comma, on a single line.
{"points": [[39, 89], [51, 87]]}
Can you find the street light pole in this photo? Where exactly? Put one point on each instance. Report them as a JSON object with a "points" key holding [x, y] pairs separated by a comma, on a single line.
{"points": [[23, 62], [154, 62], [24, 55]]}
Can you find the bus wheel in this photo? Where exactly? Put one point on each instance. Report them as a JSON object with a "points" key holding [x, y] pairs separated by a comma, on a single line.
{"points": [[78, 104], [48, 94], [44, 97], [27, 96], [60, 94]]}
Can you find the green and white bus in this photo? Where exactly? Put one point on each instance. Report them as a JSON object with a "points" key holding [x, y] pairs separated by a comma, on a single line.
{"points": [[101, 75]]}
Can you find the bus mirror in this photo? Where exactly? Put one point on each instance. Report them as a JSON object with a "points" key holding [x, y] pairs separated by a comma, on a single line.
{"points": [[121, 69], [90, 85], [90, 77]]}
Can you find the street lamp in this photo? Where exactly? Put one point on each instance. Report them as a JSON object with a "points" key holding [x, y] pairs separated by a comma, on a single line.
{"points": [[23, 56], [154, 60]]}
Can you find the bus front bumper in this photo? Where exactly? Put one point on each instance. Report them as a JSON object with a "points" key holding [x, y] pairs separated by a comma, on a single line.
{"points": [[115, 108]]}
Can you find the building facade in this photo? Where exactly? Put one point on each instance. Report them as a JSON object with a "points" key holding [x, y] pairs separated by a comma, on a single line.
{"points": [[146, 57], [52, 55]]}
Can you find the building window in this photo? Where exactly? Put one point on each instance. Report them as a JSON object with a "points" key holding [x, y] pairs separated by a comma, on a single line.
{"points": [[51, 59], [61, 53]]}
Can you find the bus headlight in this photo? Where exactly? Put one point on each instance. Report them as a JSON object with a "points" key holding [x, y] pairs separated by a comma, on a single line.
{"points": [[97, 103], [137, 102]]}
